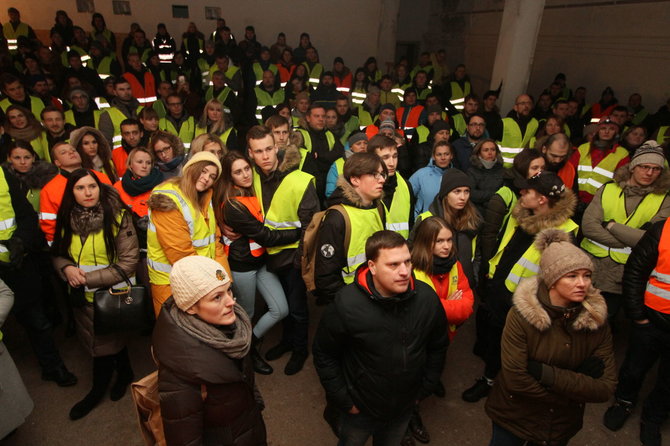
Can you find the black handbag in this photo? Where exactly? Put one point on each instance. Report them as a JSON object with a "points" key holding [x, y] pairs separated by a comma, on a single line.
{"points": [[120, 310]]}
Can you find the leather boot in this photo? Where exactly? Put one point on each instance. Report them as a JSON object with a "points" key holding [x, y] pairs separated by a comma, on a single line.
{"points": [[124, 375], [260, 366], [103, 367]]}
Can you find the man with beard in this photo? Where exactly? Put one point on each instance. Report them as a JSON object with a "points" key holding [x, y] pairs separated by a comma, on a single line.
{"points": [[326, 93], [470, 107], [53, 121], [556, 152], [474, 132], [518, 129]]}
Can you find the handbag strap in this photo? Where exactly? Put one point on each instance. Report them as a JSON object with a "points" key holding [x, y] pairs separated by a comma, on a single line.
{"points": [[123, 274]]}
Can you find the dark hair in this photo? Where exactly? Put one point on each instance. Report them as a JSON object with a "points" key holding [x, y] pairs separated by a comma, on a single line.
{"points": [[109, 198], [360, 164], [275, 121], [559, 102], [314, 106], [523, 159], [52, 108], [7, 79], [22, 144], [120, 80], [619, 108], [382, 240], [478, 115], [424, 242], [131, 121], [258, 132], [471, 97], [226, 189], [380, 141]]}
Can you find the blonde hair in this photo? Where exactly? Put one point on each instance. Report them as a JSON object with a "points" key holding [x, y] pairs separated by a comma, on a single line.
{"points": [[217, 128], [186, 182], [200, 141]]}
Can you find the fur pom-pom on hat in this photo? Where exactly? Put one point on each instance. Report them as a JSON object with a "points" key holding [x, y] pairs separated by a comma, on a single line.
{"points": [[559, 255]]}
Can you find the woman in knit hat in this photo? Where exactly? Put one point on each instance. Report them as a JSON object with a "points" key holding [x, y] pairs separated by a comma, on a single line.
{"points": [[556, 350], [201, 342], [182, 222]]}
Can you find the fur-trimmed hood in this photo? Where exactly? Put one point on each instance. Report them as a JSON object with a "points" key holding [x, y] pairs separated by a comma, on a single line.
{"points": [[557, 215], [591, 315], [346, 194], [161, 203], [104, 150], [41, 173], [291, 159], [660, 186]]}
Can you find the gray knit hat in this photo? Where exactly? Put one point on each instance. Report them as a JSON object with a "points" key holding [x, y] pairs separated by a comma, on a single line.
{"points": [[387, 124], [648, 153], [356, 137], [559, 255], [193, 277]]}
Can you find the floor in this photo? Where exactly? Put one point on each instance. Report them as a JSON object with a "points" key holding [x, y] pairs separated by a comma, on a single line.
{"points": [[294, 404]]}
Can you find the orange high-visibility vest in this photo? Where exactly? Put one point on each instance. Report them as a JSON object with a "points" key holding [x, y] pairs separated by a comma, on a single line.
{"points": [[657, 294], [145, 95], [254, 207]]}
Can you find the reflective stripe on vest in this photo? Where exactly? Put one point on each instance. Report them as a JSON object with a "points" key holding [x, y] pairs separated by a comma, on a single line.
{"points": [[202, 232], [528, 263], [283, 211], [186, 131], [364, 223], [590, 178], [254, 208], [263, 99], [397, 216], [613, 203], [657, 294], [513, 141], [7, 216], [308, 139]]}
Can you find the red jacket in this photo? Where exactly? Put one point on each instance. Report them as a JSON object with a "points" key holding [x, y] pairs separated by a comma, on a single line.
{"points": [[51, 197]]}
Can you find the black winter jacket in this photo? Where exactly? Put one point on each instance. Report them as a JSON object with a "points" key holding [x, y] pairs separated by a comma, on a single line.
{"points": [[639, 266], [230, 415], [381, 354]]}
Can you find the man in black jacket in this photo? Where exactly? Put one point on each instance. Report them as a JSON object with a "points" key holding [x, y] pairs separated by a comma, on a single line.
{"points": [[646, 290], [387, 312]]}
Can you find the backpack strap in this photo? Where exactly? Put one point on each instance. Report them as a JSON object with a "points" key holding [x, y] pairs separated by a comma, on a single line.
{"points": [[347, 223]]}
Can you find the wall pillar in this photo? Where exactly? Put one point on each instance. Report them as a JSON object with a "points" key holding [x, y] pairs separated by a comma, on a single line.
{"points": [[516, 49], [386, 36]]}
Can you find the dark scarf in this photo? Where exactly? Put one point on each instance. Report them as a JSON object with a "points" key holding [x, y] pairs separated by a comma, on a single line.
{"points": [[135, 186], [170, 165], [443, 265]]}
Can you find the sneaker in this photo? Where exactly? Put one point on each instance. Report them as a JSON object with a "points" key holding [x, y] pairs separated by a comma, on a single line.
{"points": [[296, 362], [650, 434], [617, 414], [480, 390]]}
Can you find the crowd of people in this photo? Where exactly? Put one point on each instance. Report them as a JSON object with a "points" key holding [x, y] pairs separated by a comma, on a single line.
{"points": [[218, 171]]}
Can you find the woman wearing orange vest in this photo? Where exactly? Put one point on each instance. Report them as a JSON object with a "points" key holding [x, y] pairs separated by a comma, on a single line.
{"points": [[134, 188], [236, 204]]}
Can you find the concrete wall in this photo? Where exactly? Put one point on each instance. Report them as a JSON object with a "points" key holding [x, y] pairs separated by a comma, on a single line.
{"points": [[349, 28], [622, 43]]}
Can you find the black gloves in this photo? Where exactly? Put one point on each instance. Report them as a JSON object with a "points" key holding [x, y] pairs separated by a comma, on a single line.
{"points": [[543, 373], [16, 251], [535, 369], [592, 366]]}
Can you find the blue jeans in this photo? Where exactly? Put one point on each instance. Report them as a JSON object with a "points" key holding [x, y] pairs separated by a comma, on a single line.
{"points": [[356, 429], [270, 288], [502, 437]]}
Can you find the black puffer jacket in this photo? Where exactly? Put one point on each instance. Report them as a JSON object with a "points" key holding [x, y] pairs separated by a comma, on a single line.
{"points": [[381, 354], [639, 266], [230, 415]]}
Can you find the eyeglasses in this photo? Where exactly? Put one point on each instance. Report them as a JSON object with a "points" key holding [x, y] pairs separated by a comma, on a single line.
{"points": [[653, 169], [379, 175], [163, 150]]}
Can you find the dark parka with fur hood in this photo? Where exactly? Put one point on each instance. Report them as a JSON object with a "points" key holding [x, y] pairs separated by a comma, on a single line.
{"points": [[229, 415], [561, 339], [608, 274]]}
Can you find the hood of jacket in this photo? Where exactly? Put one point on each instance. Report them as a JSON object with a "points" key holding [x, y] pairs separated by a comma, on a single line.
{"points": [[591, 316], [660, 186], [104, 150], [534, 223], [291, 159], [345, 193]]}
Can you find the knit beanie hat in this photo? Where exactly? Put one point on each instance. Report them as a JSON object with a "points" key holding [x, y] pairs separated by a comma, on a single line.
{"points": [[452, 179], [387, 124], [559, 255], [204, 156], [78, 90], [356, 137], [648, 153], [387, 106], [439, 125], [433, 108], [193, 277]]}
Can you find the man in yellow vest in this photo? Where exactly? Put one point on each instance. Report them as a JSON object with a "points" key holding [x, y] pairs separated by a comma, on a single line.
{"points": [[518, 129], [178, 121], [267, 93], [618, 215], [545, 203], [358, 191], [398, 196], [646, 287], [15, 94], [288, 200], [122, 106], [14, 29]]}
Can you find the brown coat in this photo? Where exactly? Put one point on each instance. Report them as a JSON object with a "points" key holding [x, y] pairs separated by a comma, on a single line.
{"points": [[608, 274], [538, 331], [206, 397]]}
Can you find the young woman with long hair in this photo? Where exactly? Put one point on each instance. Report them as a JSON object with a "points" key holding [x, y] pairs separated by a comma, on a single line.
{"points": [[95, 233], [182, 222], [238, 207], [33, 174], [94, 150], [21, 124], [208, 142], [216, 120]]}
